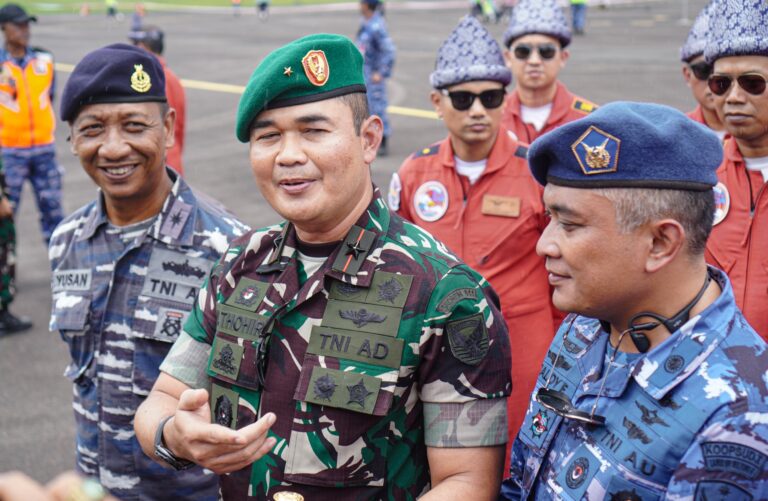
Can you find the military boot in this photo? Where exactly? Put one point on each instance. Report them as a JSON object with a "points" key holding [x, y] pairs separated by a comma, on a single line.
{"points": [[11, 324]]}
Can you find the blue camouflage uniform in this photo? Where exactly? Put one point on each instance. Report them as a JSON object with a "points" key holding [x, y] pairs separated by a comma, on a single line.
{"points": [[687, 420], [120, 297], [379, 57]]}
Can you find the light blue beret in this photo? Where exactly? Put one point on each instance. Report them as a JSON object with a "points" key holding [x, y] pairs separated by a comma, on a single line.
{"points": [[470, 53], [628, 145]]}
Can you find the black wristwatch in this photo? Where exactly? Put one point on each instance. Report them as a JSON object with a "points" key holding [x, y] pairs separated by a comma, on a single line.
{"points": [[165, 454]]}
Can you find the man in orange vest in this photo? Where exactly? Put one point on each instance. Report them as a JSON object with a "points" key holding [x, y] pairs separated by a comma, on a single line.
{"points": [[696, 71], [738, 48], [474, 192], [151, 38], [536, 42], [27, 121]]}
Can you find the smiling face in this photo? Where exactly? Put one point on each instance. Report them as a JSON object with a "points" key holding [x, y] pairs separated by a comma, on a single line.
{"points": [[312, 166], [122, 148], [744, 115], [593, 267], [535, 73]]}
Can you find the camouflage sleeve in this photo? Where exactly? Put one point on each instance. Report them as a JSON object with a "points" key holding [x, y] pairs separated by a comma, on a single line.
{"points": [[465, 368], [201, 324], [728, 460], [187, 361]]}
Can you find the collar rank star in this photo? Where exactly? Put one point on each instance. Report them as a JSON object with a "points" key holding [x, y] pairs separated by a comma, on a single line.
{"points": [[140, 81], [316, 67], [597, 151]]}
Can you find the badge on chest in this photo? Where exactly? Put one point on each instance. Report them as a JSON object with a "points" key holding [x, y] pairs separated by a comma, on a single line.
{"points": [[497, 205]]}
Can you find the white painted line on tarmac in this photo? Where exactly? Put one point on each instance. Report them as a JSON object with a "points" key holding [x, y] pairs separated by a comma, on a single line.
{"points": [[238, 89]]}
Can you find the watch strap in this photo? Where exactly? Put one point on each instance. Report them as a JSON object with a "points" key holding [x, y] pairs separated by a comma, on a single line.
{"points": [[164, 453]]}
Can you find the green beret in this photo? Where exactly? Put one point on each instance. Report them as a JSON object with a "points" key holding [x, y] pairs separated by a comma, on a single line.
{"points": [[312, 68]]}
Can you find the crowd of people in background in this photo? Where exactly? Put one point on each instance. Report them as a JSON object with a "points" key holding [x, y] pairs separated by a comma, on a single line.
{"points": [[556, 300]]}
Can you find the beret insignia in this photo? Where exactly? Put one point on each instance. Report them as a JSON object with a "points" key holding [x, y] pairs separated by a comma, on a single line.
{"points": [[597, 151], [140, 81], [316, 67]]}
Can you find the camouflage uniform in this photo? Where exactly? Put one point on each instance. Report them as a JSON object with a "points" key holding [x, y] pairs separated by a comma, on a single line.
{"points": [[7, 254], [374, 42], [392, 345], [687, 420], [119, 303]]}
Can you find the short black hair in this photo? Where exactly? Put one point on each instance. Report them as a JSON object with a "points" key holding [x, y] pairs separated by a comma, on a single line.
{"points": [[358, 103]]}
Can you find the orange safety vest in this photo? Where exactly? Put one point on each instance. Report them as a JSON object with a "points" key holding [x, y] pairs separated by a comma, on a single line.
{"points": [[26, 111]]}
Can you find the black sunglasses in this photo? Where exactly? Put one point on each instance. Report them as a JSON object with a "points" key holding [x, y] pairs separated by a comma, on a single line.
{"points": [[701, 70], [462, 100], [751, 83], [546, 51], [559, 403]]}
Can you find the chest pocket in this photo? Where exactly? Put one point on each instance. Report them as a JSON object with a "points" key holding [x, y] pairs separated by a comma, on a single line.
{"points": [[167, 296], [70, 316], [342, 428]]}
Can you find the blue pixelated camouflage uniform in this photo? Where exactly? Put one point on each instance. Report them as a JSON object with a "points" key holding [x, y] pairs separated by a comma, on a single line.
{"points": [[378, 50], [688, 420], [119, 308]]}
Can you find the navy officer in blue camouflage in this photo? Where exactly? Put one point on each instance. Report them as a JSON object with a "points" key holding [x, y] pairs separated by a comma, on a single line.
{"points": [[127, 266], [655, 386]]}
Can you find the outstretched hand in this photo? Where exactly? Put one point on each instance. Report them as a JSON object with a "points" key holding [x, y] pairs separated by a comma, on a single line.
{"points": [[191, 435]]}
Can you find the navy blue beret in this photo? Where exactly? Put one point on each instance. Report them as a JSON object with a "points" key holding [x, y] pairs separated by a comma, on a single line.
{"points": [[628, 145], [117, 73]]}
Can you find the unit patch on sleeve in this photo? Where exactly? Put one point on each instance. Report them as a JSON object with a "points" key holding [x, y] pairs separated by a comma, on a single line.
{"points": [[733, 458], [468, 338], [720, 491]]}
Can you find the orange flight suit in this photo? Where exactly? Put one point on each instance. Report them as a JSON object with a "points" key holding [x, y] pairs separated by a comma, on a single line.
{"points": [[566, 107], [739, 243], [493, 225], [697, 115], [176, 100]]}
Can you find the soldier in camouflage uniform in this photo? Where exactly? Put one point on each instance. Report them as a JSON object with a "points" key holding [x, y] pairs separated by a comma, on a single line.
{"points": [[351, 353], [127, 266], [378, 50], [9, 323], [656, 387]]}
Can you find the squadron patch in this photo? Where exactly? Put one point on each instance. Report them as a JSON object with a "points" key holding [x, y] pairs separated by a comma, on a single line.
{"points": [[733, 458], [431, 201], [169, 323], [540, 423], [393, 197], [577, 473], [597, 152], [722, 202], [468, 339]]}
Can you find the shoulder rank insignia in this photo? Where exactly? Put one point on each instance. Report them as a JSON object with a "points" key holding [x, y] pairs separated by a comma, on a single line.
{"points": [[468, 339], [597, 151], [428, 151], [140, 81], [584, 106]]}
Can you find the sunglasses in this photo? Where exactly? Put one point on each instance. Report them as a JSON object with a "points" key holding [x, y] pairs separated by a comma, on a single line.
{"points": [[751, 83], [462, 100], [559, 403], [701, 70], [546, 51]]}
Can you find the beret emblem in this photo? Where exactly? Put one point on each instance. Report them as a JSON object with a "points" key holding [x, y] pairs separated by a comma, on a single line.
{"points": [[140, 81], [316, 67], [596, 151]]}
